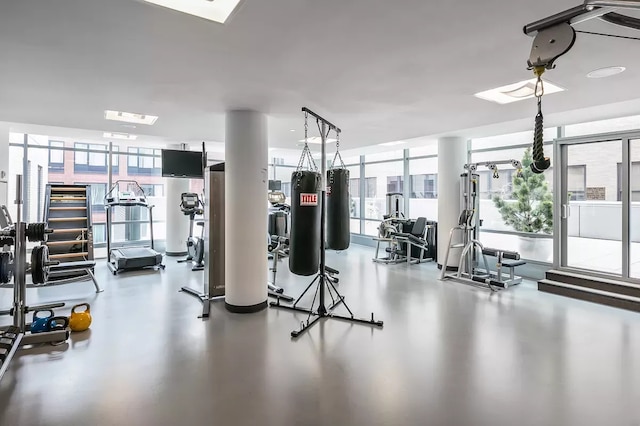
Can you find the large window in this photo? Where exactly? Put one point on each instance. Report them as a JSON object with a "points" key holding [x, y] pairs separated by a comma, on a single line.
{"points": [[98, 192], [56, 156], [90, 158], [144, 161], [395, 184], [635, 183], [153, 189], [379, 178], [424, 186]]}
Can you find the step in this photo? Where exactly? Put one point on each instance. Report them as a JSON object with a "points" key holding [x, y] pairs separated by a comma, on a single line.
{"points": [[68, 255], [67, 198], [66, 208], [66, 219], [590, 295], [68, 189], [64, 231], [595, 283], [69, 242]]}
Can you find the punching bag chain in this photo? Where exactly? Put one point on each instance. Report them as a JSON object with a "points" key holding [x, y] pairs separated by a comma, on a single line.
{"points": [[336, 157], [540, 162], [306, 151]]}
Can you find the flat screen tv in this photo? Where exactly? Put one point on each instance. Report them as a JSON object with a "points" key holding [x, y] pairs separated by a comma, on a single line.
{"points": [[182, 164]]}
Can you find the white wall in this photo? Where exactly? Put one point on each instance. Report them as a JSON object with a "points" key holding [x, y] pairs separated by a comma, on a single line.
{"points": [[4, 163]]}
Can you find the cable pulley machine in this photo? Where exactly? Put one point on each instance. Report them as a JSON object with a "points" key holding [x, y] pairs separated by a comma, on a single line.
{"points": [[554, 37], [467, 232]]}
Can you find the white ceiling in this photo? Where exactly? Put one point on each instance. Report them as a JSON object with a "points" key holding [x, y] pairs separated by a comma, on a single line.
{"points": [[382, 70]]}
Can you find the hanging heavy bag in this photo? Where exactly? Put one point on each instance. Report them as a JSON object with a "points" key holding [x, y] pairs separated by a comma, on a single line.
{"points": [[304, 241], [338, 214]]}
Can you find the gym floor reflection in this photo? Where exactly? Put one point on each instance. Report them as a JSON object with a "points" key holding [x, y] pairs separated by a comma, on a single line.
{"points": [[449, 354]]}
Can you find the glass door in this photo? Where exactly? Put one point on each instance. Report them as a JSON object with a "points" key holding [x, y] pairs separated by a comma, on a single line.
{"points": [[597, 204], [634, 211], [591, 208]]}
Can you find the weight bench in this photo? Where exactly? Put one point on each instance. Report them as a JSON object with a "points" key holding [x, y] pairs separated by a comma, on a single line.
{"points": [[85, 266], [512, 262]]}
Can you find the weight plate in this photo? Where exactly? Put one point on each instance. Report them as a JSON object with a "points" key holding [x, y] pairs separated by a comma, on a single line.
{"points": [[6, 268], [39, 259]]}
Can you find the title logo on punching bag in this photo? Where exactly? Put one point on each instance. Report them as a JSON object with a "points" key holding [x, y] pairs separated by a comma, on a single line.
{"points": [[308, 199]]}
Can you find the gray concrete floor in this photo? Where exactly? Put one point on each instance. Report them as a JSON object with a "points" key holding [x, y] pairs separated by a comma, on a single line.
{"points": [[449, 354]]}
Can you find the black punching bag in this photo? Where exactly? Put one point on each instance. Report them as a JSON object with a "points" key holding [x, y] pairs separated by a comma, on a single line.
{"points": [[304, 241], [338, 212]]}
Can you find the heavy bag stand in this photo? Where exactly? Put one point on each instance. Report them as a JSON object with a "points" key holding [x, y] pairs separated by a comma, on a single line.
{"points": [[323, 277]]}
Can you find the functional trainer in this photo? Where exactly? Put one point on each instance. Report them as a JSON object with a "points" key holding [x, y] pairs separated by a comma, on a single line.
{"points": [[468, 232], [192, 206], [132, 257]]}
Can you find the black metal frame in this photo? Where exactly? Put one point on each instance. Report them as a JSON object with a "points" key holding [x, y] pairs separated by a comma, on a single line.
{"points": [[322, 278]]}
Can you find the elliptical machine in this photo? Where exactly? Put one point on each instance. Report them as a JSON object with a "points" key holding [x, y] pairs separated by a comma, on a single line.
{"points": [[192, 206]]}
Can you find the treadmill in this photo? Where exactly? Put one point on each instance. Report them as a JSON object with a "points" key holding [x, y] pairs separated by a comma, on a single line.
{"points": [[130, 258]]}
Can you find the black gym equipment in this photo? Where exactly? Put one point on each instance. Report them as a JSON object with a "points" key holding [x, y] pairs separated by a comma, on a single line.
{"points": [[323, 279], [304, 246], [54, 330], [338, 211], [192, 206], [129, 258]]}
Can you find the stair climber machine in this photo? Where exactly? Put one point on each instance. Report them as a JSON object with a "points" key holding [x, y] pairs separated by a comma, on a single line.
{"points": [[132, 257], [192, 206], [467, 238]]}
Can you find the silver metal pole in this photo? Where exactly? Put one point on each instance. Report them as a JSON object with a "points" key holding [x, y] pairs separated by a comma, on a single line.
{"points": [[19, 285], [625, 4], [323, 217]]}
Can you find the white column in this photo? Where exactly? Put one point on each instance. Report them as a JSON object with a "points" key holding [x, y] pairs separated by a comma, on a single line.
{"points": [[246, 180], [177, 222], [452, 156], [4, 165]]}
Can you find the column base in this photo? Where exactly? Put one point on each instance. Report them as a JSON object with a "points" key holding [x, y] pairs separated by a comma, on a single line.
{"points": [[449, 268], [245, 309], [175, 253]]}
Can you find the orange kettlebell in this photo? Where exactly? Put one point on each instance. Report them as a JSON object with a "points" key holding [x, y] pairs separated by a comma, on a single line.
{"points": [[80, 321]]}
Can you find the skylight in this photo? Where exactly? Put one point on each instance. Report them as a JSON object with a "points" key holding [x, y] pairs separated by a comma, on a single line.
{"points": [[317, 140], [130, 117], [116, 135], [517, 91], [212, 10], [392, 143]]}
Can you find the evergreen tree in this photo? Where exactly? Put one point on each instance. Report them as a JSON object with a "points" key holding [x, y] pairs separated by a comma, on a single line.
{"points": [[531, 206]]}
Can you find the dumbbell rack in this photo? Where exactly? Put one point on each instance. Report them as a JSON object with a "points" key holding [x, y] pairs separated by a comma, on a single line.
{"points": [[17, 335]]}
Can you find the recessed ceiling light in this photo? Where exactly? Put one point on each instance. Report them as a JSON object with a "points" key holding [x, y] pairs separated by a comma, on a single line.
{"points": [[517, 91], [317, 140], [212, 10], [292, 130], [392, 143], [130, 117], [115, 135], [605, 72]]}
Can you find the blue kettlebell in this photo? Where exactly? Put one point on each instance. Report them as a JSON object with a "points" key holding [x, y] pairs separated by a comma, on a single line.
{"points": [[40, 324]]}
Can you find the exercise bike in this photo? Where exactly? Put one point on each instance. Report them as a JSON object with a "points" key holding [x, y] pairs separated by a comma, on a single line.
{"points": [[192, 206]]}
